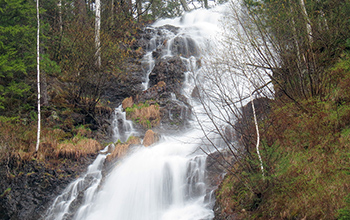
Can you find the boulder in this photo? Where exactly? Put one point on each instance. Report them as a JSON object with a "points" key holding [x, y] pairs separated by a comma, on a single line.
{"points": [[184, 46], [171, 71]]}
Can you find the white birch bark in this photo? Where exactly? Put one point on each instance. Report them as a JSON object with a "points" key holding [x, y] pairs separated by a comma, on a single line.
{"points": [[38, 74], [257, 135], [97, 32], [308, 23], [255, 121], [60, 15]]}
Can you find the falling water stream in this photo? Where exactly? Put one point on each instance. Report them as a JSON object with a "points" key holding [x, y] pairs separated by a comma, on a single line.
{"points": [[165, 181]]}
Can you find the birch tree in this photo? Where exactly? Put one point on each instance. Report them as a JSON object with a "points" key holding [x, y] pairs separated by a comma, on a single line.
{"points": [[308, 22], [97, 32], [38, 74], [60, 20]]}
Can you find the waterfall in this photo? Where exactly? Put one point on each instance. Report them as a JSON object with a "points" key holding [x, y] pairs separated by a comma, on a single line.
{"points": [[60, 209], [122, 128], [166, 181]]}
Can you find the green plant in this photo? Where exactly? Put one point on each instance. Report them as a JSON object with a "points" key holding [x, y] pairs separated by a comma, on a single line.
{"points": [[344, 213]]}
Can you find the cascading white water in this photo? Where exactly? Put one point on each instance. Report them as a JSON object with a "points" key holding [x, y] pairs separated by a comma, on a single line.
{"points": [[167, 180], [122, 128], [60, 209]]}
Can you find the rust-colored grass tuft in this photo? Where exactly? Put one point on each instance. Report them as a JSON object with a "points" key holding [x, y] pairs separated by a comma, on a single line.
{"points": [[128, 102], [119, 151], [146, 115], [121, 148], [77, 148]]}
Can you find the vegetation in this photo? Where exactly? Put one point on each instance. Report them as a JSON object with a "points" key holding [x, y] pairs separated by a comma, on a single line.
{"points": [[305, 156], [76, 71], [296, 52], [297, 47], [120, 149], [73, 85], [148, 116]]}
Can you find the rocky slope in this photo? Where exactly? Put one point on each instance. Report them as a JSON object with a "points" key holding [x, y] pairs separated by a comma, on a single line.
{"points": [[28, 186]]}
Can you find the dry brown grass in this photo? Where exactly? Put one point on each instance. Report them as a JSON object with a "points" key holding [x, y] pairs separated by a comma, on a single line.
{"points": [[150, 138], [77, 148], [19, 141], [119, 151], [121, 148], [128, 102], [15, 138], [147, 116]]}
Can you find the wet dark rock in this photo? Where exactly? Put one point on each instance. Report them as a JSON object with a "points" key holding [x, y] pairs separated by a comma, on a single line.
{"points": [[170, 28], [157, 53], [28, 188], [171, 71], [262, 108], [175, 111], [216, 165], [184, 46], [195, 92]]}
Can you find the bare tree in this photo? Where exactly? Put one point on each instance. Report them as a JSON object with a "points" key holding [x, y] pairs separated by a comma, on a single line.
{"points": [[232, 74]]}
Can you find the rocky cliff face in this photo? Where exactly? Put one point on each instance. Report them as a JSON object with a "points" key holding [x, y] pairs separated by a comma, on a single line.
{"points": [[28, 187], [167, 76]]}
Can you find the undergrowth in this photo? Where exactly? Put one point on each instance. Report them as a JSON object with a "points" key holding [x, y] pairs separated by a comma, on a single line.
{"points": [[307, 159], [18, 140]]}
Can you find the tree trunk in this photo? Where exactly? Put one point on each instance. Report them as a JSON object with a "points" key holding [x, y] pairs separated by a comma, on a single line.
{"points": [[257, 135], [38, 75], [308, 23], [184, 5], [139, 7], [112, 13], [206, 4], [81, 10], [60, 21], [97, 32]]}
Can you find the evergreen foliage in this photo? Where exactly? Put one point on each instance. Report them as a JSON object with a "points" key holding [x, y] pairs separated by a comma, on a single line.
{"points": [[17, 56]]}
